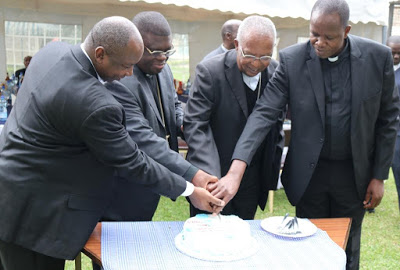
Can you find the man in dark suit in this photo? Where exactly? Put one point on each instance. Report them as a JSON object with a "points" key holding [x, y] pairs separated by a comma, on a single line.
{"points": [[61, 145], [154, 118], [228, 33], [340, 92], [224, 92], [394, 43]]}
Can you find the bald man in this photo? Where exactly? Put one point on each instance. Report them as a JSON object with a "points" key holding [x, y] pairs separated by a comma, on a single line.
{"points": [[62, 144], [228, 33], [394, 43]]}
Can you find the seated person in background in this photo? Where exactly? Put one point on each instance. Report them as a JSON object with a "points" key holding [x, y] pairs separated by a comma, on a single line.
{"points": [[20, 73]]}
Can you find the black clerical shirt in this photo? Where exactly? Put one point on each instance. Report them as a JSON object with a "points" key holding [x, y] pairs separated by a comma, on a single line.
{"points": [[337, 81]]}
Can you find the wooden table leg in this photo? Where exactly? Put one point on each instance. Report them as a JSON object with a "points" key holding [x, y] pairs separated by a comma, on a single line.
{"points": [[78, 262], [271, 201]]}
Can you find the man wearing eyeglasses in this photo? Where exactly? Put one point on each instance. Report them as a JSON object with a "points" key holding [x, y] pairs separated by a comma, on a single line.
{"points": [[344, 107], [153, 119], [225, 90]]}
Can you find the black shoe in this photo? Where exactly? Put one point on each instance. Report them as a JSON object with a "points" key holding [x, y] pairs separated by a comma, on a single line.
{"points": [[372, 210]]}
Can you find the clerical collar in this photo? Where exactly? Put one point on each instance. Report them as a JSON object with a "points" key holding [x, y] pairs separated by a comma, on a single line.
{"points": [[335, 58], [98, 76], [251, 82]]}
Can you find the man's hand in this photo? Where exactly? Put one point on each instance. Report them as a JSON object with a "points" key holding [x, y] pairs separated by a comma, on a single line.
{"points": [[203, 200], [227, 187], [202, 179], [374, 194]]}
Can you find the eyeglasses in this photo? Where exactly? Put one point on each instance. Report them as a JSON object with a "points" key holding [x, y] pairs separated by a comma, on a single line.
{"points": [[252, 58], [159, 53]]}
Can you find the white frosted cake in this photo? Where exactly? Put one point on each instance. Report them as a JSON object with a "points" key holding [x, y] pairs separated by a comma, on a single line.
{"points": [[216, 238]]}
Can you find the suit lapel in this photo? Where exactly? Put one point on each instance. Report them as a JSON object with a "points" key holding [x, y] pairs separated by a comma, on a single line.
{"points": [[148, 92], [165, 97], [357, 79], [317, 83], [235, 80]]}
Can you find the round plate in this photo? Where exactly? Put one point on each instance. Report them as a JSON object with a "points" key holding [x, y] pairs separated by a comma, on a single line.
{"points": [[272, 225], [240, 254]]}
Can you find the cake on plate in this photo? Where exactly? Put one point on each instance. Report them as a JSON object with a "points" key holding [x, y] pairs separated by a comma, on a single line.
{"points": [[216, 238]]}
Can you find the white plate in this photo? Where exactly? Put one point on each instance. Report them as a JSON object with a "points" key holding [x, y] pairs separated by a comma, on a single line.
{"points": [[244, 252], [272, 225]]}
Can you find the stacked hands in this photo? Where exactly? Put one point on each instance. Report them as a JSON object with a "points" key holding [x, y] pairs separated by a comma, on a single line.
{"points": [[212, 195]]}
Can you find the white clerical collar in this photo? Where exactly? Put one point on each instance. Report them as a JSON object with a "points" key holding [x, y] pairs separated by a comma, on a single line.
{"points": [[251, 82], [396, 67], [333, 59], [98, 76], [223, 48]]}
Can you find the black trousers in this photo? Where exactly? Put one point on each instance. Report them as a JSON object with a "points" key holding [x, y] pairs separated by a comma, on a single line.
{"points": [[14, 257], [396, 167], [332, 193]]}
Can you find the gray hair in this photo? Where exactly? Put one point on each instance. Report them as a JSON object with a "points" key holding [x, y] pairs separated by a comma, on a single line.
{"points": [[152, 22], [333, 6], [113, 34], [261, 25], [393, 39]]}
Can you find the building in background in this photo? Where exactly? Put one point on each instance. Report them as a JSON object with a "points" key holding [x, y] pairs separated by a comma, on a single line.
{"points": [[197, 24]]}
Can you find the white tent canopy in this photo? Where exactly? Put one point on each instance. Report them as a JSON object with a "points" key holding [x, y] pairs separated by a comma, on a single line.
{"points": [[364, 11], [199, 20]]}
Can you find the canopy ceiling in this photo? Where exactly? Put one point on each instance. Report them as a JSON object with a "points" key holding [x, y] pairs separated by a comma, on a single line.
{"points": [[364, 11]]}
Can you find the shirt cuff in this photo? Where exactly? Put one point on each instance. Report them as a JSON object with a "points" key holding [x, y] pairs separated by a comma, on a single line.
{"points": [[189, 189]]}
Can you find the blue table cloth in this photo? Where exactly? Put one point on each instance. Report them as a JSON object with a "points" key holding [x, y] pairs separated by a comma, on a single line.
{"points": [[150, 245]]}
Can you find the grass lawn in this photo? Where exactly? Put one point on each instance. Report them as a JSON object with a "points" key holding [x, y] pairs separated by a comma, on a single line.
{"points": [[380, 243]]}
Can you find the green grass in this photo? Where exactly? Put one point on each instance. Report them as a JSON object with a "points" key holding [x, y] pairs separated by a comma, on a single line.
{"points": [[380, 243]]}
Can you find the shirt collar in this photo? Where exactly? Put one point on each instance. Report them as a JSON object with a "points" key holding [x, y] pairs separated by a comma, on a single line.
{"points": [[251, 82], [343, 53], [223, 48], [98, 76], [396, 67]]}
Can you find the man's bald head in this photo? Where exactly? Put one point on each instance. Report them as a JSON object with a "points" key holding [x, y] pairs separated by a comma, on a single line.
{"points": [[152, 22], [393, 39], [229, 32], [394, 44], [112, 33], [114, 45]]}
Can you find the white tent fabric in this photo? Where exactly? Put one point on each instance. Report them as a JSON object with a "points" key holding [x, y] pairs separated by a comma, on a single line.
{"points": [[365, 11]]}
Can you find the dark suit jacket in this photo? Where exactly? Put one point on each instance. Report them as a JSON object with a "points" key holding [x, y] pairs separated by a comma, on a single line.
{"points": [[215, 116], [215, 52], [144, 125], [298, 81], [397, 80], [58, 152]]}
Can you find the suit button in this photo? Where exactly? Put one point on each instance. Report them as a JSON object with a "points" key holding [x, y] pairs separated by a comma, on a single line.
{"points": [[312, 165], [321, 140]]}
